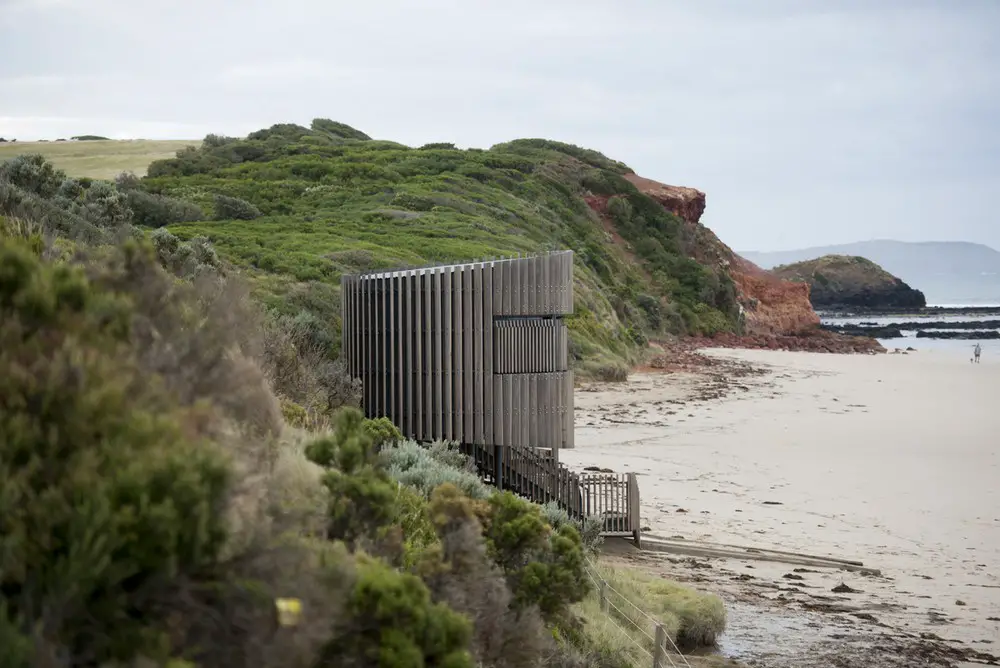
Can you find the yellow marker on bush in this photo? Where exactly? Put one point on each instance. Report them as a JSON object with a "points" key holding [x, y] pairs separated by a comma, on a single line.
{"points": [[289, 611]]}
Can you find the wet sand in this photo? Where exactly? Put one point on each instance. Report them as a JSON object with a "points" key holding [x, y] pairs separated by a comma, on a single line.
{"points": [[893, 460]]}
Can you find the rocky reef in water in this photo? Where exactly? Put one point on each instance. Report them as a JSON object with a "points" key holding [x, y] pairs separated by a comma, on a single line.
{"points": [[924, 329]]}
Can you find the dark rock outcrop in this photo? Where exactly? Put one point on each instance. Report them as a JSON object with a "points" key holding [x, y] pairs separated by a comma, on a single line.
{"points": [[839, 282], [968, 335], [874, 331]]}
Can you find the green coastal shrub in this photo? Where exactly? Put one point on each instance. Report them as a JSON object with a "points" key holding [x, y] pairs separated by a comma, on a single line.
{"points": [[49, 215], [394, 624], [234, 208], [590, 528], [339, 130], [33, 173], [382, 432], [70, 190], [105, 206], [156, 211], [544, 567], [295, 357], [200, 336], [362, 496], [97, 459], [459, 571], [408, 453], [293, 414], [185, 259]]}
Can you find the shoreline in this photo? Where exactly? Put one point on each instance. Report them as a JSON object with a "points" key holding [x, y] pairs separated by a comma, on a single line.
{"points": [[689, 353], [811, 453], [895, 312]]}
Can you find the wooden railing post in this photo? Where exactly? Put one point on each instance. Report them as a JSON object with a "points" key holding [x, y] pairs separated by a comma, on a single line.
{"points": [[660, 649], [634, 519]]}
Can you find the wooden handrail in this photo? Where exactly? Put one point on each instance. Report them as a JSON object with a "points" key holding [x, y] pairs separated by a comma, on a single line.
{"points": [[612, 498]]}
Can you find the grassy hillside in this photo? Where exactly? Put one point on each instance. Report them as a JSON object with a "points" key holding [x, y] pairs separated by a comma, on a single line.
{"points": [[331, 200], [850, 281], [312, 203], [98, 159]]}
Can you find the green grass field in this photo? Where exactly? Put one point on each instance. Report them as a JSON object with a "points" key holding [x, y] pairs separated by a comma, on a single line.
{"points": [[100, 159]]}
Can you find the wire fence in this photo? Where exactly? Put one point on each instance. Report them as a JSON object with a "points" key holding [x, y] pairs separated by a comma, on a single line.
{"points": [[625, 614]]}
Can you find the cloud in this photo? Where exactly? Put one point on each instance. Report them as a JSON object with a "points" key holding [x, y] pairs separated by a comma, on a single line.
{"points": [[31, 81], [281, 71], [806, 122]]}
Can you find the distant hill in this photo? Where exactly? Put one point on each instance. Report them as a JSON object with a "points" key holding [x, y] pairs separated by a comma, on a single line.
{"points": [[947, 272], [850, 281]]}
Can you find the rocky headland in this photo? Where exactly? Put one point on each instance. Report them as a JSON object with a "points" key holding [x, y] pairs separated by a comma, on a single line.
{"points": [[844, 282], [776, 313]]}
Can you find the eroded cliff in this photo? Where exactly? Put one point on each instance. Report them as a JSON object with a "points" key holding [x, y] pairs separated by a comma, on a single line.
{"points": [[771, 306]]}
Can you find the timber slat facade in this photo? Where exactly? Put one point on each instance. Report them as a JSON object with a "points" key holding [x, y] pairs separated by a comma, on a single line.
{"points": [[478, 354], [474, 353]]}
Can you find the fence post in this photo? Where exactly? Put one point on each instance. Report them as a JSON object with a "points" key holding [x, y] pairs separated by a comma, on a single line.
{"points": [[604, 595], [659, 650]]}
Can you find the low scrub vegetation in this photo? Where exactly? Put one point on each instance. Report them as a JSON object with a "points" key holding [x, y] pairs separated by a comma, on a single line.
{"points": [[180, 449], [294, 207], [149, 513]]}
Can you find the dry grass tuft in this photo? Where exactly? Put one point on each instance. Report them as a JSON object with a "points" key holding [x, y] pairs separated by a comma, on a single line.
{"points": [[605, 371], [691, 618]]}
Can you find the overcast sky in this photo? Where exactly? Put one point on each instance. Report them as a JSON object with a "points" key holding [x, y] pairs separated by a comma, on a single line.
{"points": [[806, 122]]}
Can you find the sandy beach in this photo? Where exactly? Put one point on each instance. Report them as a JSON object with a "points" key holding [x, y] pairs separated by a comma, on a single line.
{"points": [[893, 460]]}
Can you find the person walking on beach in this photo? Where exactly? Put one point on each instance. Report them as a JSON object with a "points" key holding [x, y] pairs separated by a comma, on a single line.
{"points": [[976, 352]]}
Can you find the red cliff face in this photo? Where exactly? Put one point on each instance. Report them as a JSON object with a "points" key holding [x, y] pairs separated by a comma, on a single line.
{"points": [[771, 306], [686, 203]]}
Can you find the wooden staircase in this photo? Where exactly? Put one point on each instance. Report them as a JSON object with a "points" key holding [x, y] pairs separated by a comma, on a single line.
{"points": [[539, 477]]}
